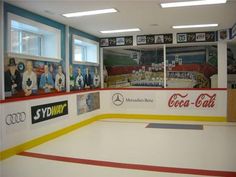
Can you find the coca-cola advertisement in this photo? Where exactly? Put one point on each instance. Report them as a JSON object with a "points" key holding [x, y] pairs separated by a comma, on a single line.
{"points": [[184, 100]]}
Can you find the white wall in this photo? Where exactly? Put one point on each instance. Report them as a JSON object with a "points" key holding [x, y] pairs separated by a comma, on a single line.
{"points": [[156, 102], [16, 134], [1, 52], [222, 64], [134, 102]]}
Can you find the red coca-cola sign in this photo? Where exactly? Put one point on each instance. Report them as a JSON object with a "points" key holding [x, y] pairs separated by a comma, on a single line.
{"points": [[203, 100]]}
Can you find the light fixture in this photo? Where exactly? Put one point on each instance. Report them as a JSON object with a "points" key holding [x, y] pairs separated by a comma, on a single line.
{"points": [[121, 30], [92, 12], [192, 3], [195, 26]]}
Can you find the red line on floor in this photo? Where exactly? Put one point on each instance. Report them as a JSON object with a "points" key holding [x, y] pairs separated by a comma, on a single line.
{"points": [[131, 166]]}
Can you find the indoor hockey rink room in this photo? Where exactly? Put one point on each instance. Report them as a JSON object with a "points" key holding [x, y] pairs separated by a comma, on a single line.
{"points": [[115, 88]]}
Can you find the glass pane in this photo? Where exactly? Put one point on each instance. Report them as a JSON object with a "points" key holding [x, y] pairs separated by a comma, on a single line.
{"points": [[79, 53], [31, 44], [33, 38], [15, 41], [85, 51]]}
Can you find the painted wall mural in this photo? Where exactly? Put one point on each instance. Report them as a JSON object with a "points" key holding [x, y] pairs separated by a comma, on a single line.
{"points": [[192, 67], [231, 65], [27, 77], [133, 68], [186, 67], [84, 77]]}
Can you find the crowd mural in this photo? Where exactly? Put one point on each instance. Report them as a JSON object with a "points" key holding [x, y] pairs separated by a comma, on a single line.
{"points": [[29, 77]]}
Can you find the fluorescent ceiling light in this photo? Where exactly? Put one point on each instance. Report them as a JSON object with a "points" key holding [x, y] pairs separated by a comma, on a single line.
{"points": [[121, 30], [192, 3], [93, 12], [195, 26]]}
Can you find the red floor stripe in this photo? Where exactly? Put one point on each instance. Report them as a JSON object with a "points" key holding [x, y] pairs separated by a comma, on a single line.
{"points": [[130, 166]]}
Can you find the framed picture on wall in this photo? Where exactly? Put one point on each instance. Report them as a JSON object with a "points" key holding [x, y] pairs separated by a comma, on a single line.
{"points": [[223, 34], [141, 40], [181, 38], [200, 37], [159, 39], [120, 41], [104, 42]]}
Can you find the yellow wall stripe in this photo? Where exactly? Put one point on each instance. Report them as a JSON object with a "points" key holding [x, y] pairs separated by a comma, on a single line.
{"points": [[35, 142], [165, 117]]}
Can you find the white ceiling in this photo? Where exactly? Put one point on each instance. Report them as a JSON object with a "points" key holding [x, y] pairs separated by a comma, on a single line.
{"points": [[132, 13]]}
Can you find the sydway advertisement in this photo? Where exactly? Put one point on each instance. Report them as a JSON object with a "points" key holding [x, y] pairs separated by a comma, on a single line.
{"points": [[88, 102], [48, 111]]}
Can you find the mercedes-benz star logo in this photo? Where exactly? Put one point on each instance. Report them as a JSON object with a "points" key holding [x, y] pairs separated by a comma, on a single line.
{"points": [[117, 99]]}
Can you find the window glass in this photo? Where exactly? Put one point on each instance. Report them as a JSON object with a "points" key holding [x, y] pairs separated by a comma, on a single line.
{"points": [[85, 50], [25, 42], [32, 38]]}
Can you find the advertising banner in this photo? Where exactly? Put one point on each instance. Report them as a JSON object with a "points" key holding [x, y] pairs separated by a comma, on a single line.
{"points": [[48, 111], [88, 102], [196, 37], [116, 41], [15, 120], [133, 100], [193, 100], [155, 39], [169, 102], [196, 103]]}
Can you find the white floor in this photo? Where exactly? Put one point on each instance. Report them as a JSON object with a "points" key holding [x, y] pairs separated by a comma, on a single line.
{"points": [[128, 141]]}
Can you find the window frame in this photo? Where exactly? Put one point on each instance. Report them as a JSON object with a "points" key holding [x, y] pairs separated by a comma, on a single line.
{"points": [[83, 39], [20, 19]]}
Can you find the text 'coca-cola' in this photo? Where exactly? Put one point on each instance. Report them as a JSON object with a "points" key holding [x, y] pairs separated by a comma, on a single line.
{"points": [[203, 100]]}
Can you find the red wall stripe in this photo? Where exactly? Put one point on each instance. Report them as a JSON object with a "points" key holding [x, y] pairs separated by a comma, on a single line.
{"points": [[82, 91], [131, 166]]}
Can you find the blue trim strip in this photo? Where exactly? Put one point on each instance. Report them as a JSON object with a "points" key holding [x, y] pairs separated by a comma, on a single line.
{"points": [[30, 15], [38, 18], [83, 34]]}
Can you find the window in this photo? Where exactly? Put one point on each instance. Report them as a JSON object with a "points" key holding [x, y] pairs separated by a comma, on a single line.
{"points": [[33, 39], [85, 50], [25, 42], [80, 53]]}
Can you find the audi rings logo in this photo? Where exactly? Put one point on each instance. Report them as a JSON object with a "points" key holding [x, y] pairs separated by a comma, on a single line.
{"points": [[117, 99], [15, 118]]}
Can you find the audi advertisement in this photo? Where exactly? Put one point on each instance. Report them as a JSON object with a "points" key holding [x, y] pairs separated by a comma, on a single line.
{"points": [[15, 118], [48, 111]]}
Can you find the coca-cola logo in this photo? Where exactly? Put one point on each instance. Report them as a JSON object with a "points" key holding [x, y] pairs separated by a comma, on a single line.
{"points": [[203, 100]]}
